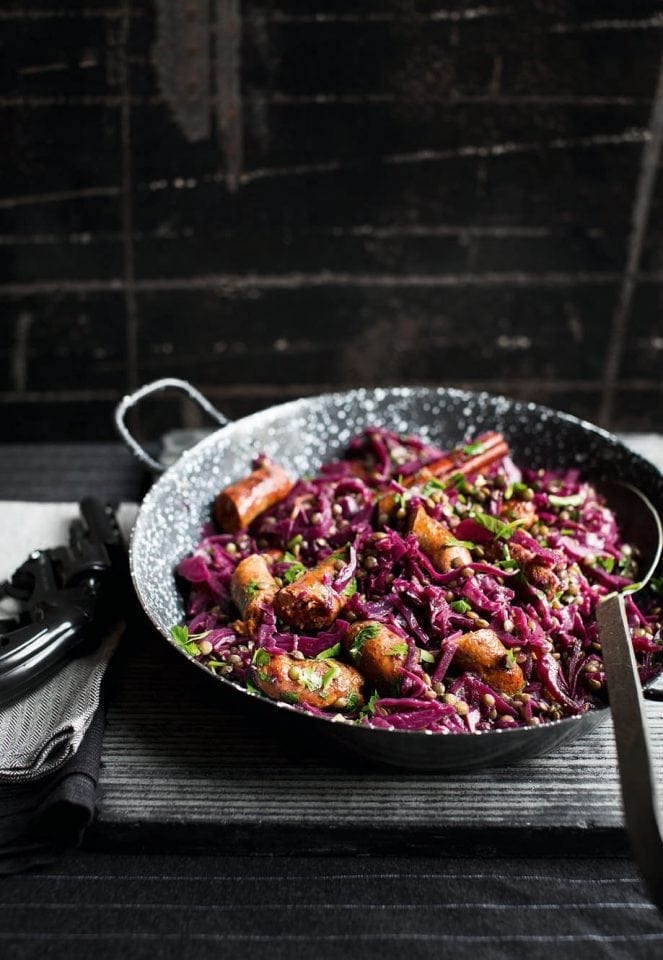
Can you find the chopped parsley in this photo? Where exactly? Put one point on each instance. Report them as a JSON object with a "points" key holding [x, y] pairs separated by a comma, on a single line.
{"points": [[329, 652], [251, 589], [310, 678], [503, 531], [369, 632], [295, 570], [352, 701], [350, 589], [473, 448], [606, 563], [398, 650], [510, 660], [426, 656], [369, 708], [186, 640], [261, 657], [250, 687], [295, 542], [329, 675], [289, 696], [432, 485]]}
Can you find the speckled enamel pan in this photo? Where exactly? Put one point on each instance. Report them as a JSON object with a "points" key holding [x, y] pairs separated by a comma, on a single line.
{"points": [[302, 435]]}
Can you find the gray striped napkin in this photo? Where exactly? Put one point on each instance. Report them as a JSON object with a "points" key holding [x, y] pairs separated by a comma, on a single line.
{"points": [[42, 730]]}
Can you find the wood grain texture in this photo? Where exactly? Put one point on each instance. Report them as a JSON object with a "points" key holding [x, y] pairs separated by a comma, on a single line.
{"points": [[174, 752], [463, 177]]}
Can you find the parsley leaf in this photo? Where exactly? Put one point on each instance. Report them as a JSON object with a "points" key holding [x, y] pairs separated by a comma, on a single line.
{"points": [[352, 701], [294, 572], [606, 563], [398, 650], [261, 657], [329, 675], [426, 656], [510, 660], [369, 709], [289, 696], [251, 688], [180, 635], [503, 531], [251, 589], [369, 632], [329, 652], [473, 448], [432, 485], [310, 678], [350, 589], [295, 541]]}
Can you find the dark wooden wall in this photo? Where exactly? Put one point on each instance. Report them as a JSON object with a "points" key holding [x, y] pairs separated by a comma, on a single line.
{"points": [[273, 199]]}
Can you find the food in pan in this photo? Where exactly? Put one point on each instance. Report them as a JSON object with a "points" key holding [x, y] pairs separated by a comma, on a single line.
{"points": [[406, 587]]}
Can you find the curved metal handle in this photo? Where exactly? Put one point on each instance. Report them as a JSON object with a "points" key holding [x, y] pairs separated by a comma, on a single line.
{"points": [[167, 383], [638, 785]]}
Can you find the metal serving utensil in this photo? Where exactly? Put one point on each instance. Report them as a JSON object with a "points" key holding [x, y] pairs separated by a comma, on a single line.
{"points": [[640, 525]]}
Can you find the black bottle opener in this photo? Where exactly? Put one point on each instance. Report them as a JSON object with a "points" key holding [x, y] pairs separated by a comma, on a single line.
{"points": [[67, 598]]}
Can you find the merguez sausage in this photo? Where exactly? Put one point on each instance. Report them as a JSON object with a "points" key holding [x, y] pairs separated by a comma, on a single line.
{"points": [[251, 587], [325, 684], [438, 542], [311, 602], [240, 503], [484, 653], [379, 654]]}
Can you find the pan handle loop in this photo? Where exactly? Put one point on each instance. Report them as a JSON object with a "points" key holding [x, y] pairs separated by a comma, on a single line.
{"points": [[133, 399]]}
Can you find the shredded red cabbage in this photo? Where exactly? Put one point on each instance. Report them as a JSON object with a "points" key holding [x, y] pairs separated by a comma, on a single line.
{"points": [[535, 585]]}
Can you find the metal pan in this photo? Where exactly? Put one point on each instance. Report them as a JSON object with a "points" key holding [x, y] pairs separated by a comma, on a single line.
{"points": [[303, 434]]}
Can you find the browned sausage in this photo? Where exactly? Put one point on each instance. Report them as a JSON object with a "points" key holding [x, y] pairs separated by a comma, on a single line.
{"points": [[437, 542], [538, 574], [325, 684], [486, 450], [251, 587], [240, 503], [311, 602], [379, 653], [484, 653]]}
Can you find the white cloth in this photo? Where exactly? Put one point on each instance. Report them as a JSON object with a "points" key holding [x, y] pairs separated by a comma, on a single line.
{"points": [[45, 727]]}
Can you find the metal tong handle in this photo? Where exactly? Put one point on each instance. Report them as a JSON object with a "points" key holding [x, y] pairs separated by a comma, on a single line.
{"points": [[133, 399], [627, 706]]}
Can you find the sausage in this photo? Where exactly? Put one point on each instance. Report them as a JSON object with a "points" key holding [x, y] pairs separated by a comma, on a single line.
{"points": [[379, 653], [311, 602], [437, 542], [251, 587], [325, 684], [486, 450], [484, 653], [240, 503], [538, 574]]}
